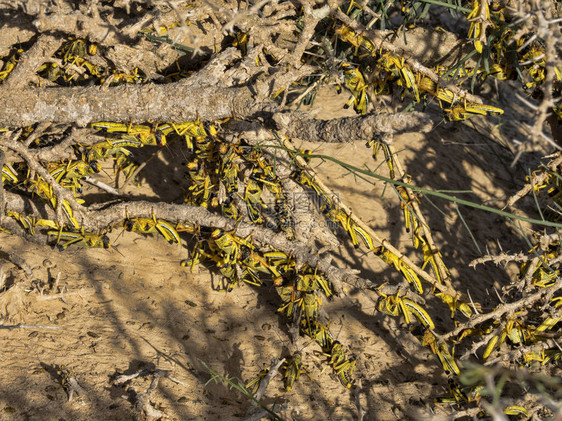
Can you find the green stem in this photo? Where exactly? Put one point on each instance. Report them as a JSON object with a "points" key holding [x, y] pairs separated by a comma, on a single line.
{"points": [[183, 48], [450, 6]]}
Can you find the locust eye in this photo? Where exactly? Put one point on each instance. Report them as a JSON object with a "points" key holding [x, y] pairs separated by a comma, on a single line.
{"points": [[129, 225], [160, 138], [95, 166]]}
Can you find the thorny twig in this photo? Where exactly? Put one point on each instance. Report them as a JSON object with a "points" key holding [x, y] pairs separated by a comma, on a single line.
{"points": [[61, 151], [95, 220], [538, 20], [60, 192], [441, 268], [502, 309], [536, 180], [253, 411], [311, 19], [500, 258]]}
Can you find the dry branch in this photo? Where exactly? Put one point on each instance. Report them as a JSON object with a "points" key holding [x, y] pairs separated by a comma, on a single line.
{"points": [[99, 219], [441, 268], [209, 95], [349, 129], [60, 192], [45, 46], [275, 365], [447, 289], [507, 308], [61, 151], [178, 102], [21, 263], [500, 258], [536, 180], [21, 326], [75, 23]]}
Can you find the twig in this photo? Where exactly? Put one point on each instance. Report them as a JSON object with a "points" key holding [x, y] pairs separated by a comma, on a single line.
{"points": [[483, 19], [95, 220], [20, 326], [365, 6], [298, 99], [526, 281], [310, 22], [229, 26], [525, 302], [63, 295], [73, 387], [82, 26], [126, 377], [357, 394], [60, 192], [143, 404], [21, 263], [3, 276], [101, 185], [498, 259], [265, 381], [38, 132], [536, 180], [61, 151], [443, 273], [483, 341], [472, 302]]}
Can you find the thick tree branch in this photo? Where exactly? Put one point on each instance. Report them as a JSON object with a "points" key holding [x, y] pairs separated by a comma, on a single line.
{"points": [[212, 94]]}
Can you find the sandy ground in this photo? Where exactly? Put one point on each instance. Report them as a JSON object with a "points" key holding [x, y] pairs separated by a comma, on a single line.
{"points": [[101, 314], [133, 307]]}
